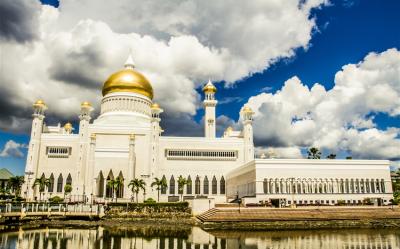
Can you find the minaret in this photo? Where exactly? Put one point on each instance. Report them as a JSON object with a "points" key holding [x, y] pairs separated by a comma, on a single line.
{"points": [[209, 107], [247, 118], [39, 108], [84, 119], [155, 135]]}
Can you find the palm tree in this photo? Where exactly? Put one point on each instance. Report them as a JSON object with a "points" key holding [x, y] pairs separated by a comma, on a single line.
{"points": [[118, 182], [331, 156], [314, 153], [181, 184], [160, 184], [113, 184], [42, 182], [4, 191], [137, 184], [67, 189], [15, 183]]}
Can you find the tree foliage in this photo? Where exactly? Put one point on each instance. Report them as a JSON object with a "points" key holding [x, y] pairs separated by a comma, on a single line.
{"points": [[314, 153]]}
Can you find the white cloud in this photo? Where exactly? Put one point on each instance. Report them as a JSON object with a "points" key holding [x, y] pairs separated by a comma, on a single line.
{"points": [[337, 119], [178, 45], [279, 152], [13, 149]]}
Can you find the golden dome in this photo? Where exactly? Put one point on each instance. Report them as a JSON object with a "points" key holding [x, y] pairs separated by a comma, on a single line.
{"points": [[209, 88], [155, 106], [247, 109], [86, 104], [68, 126], [128, 80], [39, 102]]}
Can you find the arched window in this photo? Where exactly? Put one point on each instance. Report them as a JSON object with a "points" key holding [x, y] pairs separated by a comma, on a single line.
{"points": [[367, 188], [351, 186], [189, 186], [60, 184], [222, 186], [206, 185], [373, 189], [265, 186], [378, 187], [51, 185], [383, 186], [362, 187], [109, 188], [100, 183], [69, 180], [172, 185], [341, 186], [277, 186], [347, 185], [120, 190], [214, 185], [163, 188], [197, 186]]}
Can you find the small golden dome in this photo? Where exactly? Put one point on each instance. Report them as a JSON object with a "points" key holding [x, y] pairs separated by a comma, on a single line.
{"points": [[155, 106], [68, 126], [229, 128], [128, 80], [209, 87], [39, 102], [247, 109], [86, 104]]}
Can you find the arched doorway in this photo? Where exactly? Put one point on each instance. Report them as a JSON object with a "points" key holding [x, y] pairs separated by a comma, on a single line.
{"points": [[109, 189], [100, 185], [120, 190]]}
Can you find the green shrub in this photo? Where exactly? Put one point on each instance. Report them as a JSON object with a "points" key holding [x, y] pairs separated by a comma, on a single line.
{"points": [[341, 202], [56, 199], [150, 207], [150, 200], [18, 199], [367, 201]]}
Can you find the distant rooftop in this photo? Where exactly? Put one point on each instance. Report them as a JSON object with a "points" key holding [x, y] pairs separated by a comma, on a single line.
{"points": [[5, 174]]}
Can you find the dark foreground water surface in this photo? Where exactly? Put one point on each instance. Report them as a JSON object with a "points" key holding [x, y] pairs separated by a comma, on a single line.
{"points": [[172, 237]]}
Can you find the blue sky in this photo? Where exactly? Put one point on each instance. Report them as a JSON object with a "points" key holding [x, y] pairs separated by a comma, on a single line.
{"points": [[346, 31]]}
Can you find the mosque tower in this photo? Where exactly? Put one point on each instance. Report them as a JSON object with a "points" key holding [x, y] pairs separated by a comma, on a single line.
{"points": [[247, 118], [39, 108], [209, 107]]}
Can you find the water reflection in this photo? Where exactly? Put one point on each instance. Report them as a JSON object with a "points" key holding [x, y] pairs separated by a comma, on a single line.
{"points": [[195, 238]]}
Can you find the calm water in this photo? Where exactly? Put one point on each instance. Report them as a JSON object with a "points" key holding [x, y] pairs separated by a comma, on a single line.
{"points": [[195, 238]]}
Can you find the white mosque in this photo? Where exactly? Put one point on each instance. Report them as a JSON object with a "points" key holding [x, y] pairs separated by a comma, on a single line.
{"points": [[126, 141]]}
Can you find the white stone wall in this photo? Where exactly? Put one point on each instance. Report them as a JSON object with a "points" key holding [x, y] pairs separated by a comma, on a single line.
{"points": [[311, 180]]}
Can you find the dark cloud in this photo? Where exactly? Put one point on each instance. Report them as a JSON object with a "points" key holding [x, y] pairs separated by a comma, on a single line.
{"points": [[82, 68], [19, 20], [181, 125]]}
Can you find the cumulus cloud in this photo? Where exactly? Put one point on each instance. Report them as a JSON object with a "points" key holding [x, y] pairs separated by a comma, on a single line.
{"points": [[341, 118], [13, 149], [19, 20], [64, 55], [279, 152]]}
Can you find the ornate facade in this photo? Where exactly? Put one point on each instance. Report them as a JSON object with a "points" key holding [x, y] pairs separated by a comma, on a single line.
{"points": [[125, 141]]}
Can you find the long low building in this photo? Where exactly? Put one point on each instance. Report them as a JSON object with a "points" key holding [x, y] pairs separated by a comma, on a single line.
{"points": [[311, 181]]}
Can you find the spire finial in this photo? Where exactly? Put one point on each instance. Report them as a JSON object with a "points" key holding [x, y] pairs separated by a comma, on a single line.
{"points": [[129, 62]]}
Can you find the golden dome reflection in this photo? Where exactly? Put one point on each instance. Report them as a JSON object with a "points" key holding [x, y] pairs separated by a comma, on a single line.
{"points": [[128, 80], [68, 126]]}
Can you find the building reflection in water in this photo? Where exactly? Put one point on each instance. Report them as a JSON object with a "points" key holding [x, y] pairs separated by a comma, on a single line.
{"points": [[195, 238]]}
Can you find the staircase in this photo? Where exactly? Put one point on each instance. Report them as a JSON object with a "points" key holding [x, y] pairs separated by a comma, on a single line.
{"points": [[206, 215]]}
